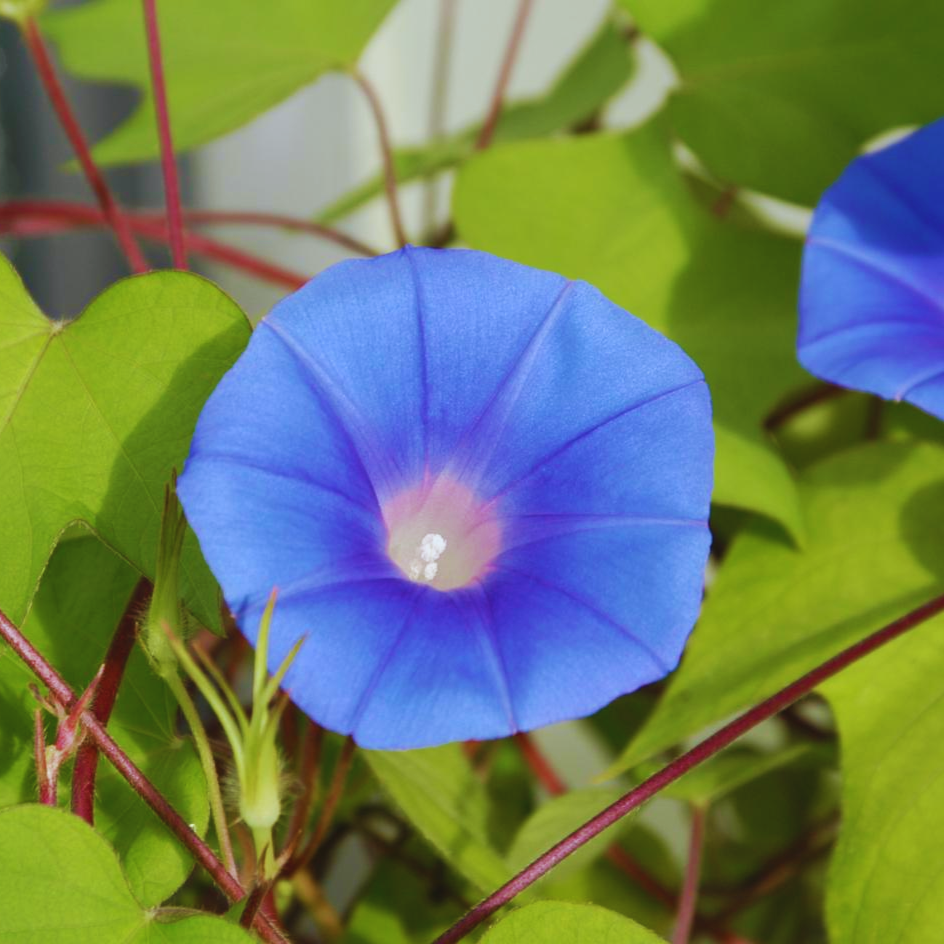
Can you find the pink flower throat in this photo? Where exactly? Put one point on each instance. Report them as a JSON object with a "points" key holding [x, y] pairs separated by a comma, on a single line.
{"points": [[441, 534]]}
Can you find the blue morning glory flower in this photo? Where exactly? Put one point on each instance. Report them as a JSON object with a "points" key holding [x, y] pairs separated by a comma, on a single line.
{"points": [[480, 488], [872, 291]]}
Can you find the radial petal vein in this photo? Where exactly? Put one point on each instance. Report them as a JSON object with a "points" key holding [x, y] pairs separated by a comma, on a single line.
{"points": [[589, 431], [346, 415], [245, 462], [358, 713], [486, 430], [556, 526], [489, 635], [603, 617], [423, 357], [869, 263]]}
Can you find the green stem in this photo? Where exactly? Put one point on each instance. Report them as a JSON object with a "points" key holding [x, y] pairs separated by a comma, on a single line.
{"points": [[265, 857], [209, 768]]}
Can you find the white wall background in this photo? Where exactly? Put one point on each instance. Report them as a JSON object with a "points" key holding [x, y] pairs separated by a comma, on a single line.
{"points": [[321, 142]]}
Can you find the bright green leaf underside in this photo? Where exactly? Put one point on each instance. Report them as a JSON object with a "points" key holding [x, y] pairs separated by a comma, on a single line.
{"points": [[95, 414], [558, 922], [62, 885], [782, 100], [885, 880], [225, 63], [613, 210], [875, 518]]}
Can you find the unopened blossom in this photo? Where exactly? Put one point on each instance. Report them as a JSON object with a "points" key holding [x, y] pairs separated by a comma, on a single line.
{"points": [[481, 490]]}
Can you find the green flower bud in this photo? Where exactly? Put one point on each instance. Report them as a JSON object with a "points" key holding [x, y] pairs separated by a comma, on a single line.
{"points": [[164, 613], [252, 739]]}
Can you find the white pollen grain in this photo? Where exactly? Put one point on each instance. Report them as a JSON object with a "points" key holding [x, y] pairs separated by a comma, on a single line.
{"points": [[431, 547]]}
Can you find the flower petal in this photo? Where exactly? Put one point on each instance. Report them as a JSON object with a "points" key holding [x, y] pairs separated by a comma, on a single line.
{"points": [[451, 387], [626, 584], [872, 290]]}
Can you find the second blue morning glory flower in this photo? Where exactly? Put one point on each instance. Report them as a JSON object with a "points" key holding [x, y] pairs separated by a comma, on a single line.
{"points": [[872, 292], [481, 489]]}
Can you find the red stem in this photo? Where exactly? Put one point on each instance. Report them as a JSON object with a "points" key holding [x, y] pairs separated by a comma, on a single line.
{"points": [[45, 217], [168, 164], [504, 76], [203, 854], [783, 867], [688, 898], [810, 397], [253, 904], [230, 255], [70, 125], [297, 224], [681, 765], [539, 765], [308, 777], [19, 213], [620, 858], [113, 669], [386, 152], [333, 797], [647, 882]]}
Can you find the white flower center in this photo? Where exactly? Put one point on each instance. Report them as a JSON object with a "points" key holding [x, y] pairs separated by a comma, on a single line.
{"points": [[441, 534], [430, 550]]}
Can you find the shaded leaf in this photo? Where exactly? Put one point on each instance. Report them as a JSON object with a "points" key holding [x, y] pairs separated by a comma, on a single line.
{"points": [[440, 795], [559, 817], [605, 885], [736, 767], [782, 102], [401, 905], [84, 592], [81, 599]]}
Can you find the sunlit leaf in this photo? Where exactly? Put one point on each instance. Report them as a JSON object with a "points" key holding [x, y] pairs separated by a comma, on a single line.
{"points": [[875, 517], [885, 883], [63, 884], [614, 211], [598, 72], [96, 413], [225, 63], [558, 922]]}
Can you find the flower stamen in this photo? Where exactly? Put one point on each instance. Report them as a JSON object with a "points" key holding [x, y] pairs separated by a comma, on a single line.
{"points": [[441, 534]]}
